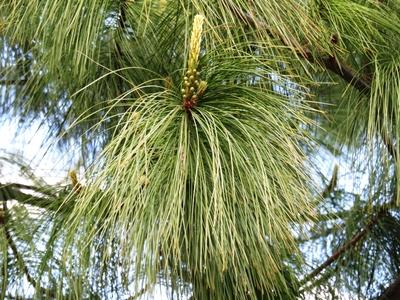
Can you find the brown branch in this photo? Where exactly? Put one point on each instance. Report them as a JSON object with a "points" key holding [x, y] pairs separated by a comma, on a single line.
{"points": [[392, 292], [348, 245], [331, 63], [347, 74], [18, 257], [40, 190], [390, 146], [20, 260], [140, 293], [122, 15], [332, 183], [11, 192]]}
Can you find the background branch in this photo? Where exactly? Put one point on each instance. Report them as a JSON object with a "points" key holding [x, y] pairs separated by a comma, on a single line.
{"points": [[392, 292], [348, 245], [20, 260]]}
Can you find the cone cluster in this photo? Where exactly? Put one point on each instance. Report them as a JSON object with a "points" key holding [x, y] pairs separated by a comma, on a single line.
{"points": [[190, 88]]}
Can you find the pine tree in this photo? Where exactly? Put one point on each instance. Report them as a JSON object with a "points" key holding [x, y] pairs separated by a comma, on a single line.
{"points": [[205, 129]]}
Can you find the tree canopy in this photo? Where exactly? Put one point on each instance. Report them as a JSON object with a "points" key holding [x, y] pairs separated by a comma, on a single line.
{"points": [[224, 149]]}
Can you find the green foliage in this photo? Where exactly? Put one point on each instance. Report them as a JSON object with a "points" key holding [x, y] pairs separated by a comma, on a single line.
{"points": [[202, 137]]}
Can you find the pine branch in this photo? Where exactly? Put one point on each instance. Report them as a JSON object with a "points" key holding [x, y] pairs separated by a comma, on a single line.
{"points": [[20, 260], [121, 25], [390, 146], [27, 187], [392, 292], [346, 73], [17, 255], [139, 294], [348, 245], [332, 183], [11, 192], [122, 15], [331, 63]]}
